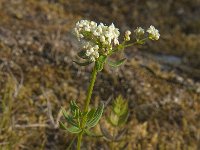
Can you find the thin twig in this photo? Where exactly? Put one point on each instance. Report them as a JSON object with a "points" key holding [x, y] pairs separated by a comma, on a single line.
{"points": [[32, 126], [70, 145], [4, 143], [50, 114]]}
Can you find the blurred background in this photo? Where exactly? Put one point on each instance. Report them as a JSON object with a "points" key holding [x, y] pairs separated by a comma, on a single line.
{"points": [[160, 80]]}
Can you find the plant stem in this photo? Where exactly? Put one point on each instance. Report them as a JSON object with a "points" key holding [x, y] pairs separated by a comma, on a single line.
{"points": [[134, 43], [87, 102], [79, 140], [90, 89]]}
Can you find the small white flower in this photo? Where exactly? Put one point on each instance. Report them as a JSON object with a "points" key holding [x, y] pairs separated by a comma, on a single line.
{"points": [[139, 31], [102, 39], [93, 23], [87, 28], [95, 33], [127, 35], [153, 33], [96, 47], [92, 58], [88, 53], [116, 42], [96, 54], [109, 39], [91, 51]]}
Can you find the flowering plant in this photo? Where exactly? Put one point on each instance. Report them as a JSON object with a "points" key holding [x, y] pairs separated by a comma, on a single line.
{"points": [[99, 42]]}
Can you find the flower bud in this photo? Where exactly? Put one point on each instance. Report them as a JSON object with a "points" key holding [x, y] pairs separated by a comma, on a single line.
{"points": [[153, 33], [127, 35], [139, 32]]}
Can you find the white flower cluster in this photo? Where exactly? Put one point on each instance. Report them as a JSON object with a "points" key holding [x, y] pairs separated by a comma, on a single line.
{"points": [[84, 26], [139, 31], [153, 33], [107, 35], [100, 39], [91, 51]]}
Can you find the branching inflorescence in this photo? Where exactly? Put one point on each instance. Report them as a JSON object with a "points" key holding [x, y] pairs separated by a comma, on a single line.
{"points": [[99, 41]]}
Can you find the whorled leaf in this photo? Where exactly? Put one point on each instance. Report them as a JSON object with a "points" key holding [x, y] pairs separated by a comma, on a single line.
{"points": [[117, 63], [83, 63], [75, 110], [74, 130], [68, 118], [90, 114], [96, 116], [82, 54], [73, 105]]}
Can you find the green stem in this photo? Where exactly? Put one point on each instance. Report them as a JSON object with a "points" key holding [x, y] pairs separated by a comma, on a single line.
{"points": [[79, 140], [90, 89], [87, 102], [134, 43]]}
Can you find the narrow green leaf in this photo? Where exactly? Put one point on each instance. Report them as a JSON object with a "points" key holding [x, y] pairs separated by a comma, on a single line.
{"points": [[90, 114], [62, 126], [82, 54], [83, 63], [73, 106], [74, 130], [68, 118], [77, 114], [96, 117], [117, 63], [75, 110]]}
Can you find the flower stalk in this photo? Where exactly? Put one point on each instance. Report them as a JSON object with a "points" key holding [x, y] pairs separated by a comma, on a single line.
{"points": [[90, 89], [87, 102]]}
